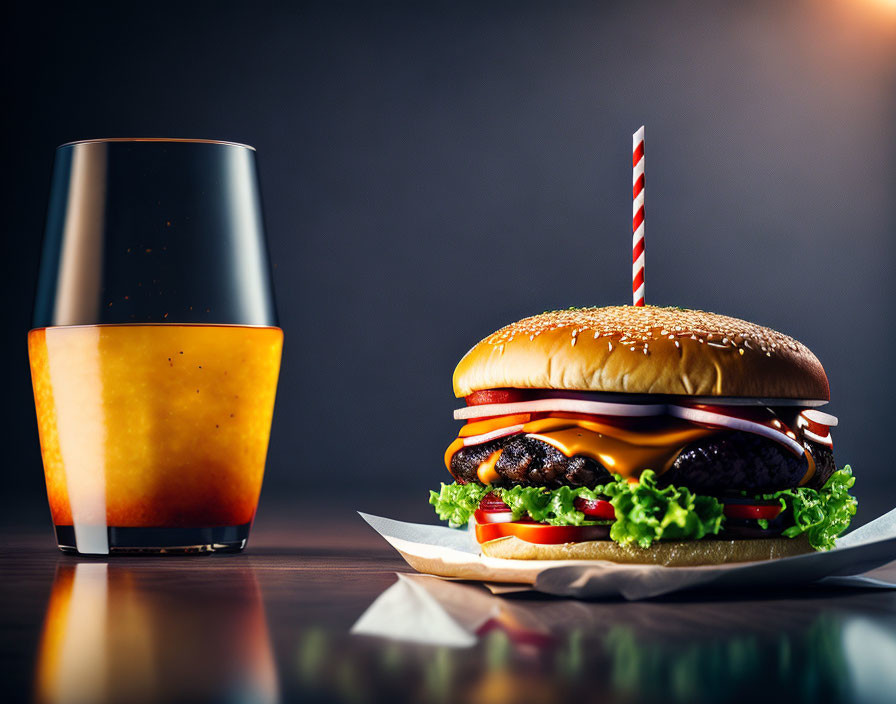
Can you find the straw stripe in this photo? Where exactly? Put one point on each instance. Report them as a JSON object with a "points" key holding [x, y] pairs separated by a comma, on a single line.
{"points": [[638, 248], [638, 215]]}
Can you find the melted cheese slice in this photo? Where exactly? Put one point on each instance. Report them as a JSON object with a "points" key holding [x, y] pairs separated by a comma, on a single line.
{"points": [[487, 472], [625, 447], [809, 472], [626, 450]]}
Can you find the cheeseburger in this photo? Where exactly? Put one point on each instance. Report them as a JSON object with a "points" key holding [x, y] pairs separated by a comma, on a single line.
{"points": [[644, 435]]}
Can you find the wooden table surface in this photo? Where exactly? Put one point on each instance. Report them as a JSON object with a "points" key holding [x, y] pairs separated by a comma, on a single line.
{"points": [[273, 624]]}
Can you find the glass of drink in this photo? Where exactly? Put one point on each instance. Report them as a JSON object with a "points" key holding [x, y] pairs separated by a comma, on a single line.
{"points": [[155, 350]]}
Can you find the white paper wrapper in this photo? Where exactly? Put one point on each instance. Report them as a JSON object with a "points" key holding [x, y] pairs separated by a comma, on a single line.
{"points": [[448, 552]]}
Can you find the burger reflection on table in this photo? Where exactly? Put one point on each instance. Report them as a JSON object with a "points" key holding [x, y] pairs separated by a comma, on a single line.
{"points": [[526, 650]]}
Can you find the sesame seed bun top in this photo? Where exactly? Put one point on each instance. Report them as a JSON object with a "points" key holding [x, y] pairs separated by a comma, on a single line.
{"points": [[643, 350]]}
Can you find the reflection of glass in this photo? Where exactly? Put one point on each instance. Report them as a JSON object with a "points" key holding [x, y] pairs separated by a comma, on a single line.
{"points": [[110, 635], [483, 647], [155, 352]]}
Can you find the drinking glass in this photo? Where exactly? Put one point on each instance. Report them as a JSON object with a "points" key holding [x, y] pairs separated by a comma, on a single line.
{"points": [[155, 350]]}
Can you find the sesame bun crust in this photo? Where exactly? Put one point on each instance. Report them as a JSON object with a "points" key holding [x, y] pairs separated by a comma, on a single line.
{"points": [[643, 350], [670, 554]]}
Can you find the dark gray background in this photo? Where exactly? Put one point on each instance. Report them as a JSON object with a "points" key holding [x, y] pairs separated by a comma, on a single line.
{"points": [[431, 173]]}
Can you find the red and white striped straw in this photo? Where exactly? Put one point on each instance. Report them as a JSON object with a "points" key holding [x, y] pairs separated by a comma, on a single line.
{"points": [[638, 217]]}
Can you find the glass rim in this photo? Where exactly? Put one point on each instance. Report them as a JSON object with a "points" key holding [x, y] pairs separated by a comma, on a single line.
{"points": [[158, 325], [169, 140]]}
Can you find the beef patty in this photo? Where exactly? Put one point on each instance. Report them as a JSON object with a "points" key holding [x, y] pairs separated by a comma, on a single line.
{"points": [[738, 460], [713, 465], [528, 461]]}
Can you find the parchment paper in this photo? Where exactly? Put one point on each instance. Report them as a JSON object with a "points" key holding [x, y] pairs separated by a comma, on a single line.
{"points": [[449, 552]]}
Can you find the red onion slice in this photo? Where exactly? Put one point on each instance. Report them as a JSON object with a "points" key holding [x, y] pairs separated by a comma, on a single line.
{"points": [[821, 440], [817, 426], [604, 408], [568, 405], [698, 415]]}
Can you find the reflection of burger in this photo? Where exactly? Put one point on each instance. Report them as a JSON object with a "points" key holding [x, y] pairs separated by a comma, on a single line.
{"points": [[644, 434]]}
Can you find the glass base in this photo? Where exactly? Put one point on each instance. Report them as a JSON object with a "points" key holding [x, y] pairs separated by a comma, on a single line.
{"points": [[162, 541]]}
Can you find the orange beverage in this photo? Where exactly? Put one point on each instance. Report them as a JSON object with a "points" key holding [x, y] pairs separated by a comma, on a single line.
{"points": [[154, 435]]}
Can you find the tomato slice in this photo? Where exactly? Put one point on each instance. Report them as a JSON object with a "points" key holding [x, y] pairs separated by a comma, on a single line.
{"points": [[596, 508], [541, 533], [751, 511], [493, 502], [485, 396]]}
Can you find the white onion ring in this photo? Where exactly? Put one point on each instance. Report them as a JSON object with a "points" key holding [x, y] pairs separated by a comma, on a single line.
{"points": [[826, 440], [820, 417], [699, 415], [497, 517], [569, 405], [492, 435], [635, 410]]}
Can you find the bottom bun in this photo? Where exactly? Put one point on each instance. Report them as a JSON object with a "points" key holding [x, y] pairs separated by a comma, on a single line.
{"points": [[671, 554]]}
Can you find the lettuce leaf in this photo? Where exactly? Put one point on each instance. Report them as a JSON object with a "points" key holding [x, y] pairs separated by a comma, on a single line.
{"points": [[821, 514], [455, 503], [645, 513], [552, 506]]}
